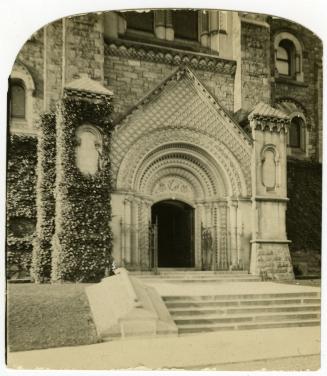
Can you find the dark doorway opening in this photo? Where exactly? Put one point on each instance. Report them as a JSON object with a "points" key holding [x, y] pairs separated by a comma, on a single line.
{"points": [[175, 221]]}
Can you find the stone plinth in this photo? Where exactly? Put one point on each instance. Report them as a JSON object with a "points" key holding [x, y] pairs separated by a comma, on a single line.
{"points": [[123, 306]]}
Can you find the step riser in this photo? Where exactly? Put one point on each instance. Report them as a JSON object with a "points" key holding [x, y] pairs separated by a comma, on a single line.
{"points": [[195, 281], [240, 303], [197, 275], [249, 327], [275, 318], [201, 312], [203, 298], [199, 278]]}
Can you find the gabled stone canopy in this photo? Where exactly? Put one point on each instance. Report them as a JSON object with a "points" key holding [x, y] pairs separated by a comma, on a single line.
{"points": [[263, 110], [181, 110], [86, 86]]}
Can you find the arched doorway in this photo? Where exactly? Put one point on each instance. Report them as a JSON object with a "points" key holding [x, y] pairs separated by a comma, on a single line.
{"points": [[175, 220]]}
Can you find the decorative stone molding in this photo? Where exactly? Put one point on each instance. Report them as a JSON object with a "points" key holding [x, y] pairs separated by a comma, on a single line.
{"points": [[265, 117], [181, 112], [165, 55]]}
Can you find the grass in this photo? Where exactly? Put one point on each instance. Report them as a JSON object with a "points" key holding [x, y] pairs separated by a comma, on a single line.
{"points": [[42, 316]]}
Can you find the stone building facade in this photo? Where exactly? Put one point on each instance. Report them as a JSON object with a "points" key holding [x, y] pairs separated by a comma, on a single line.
{"points": [[207, 108]]}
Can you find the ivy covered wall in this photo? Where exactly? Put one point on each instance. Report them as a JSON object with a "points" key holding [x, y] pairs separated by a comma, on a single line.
{"points": [[303, 217], [45, 199], [21, 203], [83, 240]]}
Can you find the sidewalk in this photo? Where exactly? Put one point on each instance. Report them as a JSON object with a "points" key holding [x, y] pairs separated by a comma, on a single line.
{"points": [[188, 351]]}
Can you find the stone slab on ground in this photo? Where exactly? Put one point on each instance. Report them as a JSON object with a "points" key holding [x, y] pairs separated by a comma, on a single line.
{"points": [[123, 306], [188, 351]]}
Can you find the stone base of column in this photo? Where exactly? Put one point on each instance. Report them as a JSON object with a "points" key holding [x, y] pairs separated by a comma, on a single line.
{"points": [[271, 260]]}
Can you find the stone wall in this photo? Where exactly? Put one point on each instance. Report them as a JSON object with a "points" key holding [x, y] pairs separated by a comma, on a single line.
{"points": [[84, 47], [31, 56], [254, 77], [131, 79], [309, 92], [53, 64]]}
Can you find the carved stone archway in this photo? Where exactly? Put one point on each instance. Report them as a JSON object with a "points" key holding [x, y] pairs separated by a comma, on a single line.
{"points": [[191, 151]]}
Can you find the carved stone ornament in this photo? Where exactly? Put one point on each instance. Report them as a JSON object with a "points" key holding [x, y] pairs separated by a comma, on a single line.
{"points": [[172, 185], [158, 54], [182, 113]]}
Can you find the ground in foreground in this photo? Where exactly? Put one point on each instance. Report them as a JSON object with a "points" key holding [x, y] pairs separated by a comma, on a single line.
{"points": [[43, 316]]}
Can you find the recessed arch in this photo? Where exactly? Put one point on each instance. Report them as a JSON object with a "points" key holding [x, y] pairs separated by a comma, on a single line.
{"points": [[213, 151]]}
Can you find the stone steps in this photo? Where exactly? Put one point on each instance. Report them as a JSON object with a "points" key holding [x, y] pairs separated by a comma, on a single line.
{"points": [[198, 312], [177, 276], [239, 303], [204, 313], [191, 329]]}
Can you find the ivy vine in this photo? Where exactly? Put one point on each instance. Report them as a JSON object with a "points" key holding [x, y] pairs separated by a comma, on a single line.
{"points": [[21, 202], [82, 241], [46, 174]]}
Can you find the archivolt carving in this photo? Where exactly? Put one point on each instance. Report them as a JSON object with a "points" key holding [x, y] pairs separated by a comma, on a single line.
{"points": [[184, 109], [225, 161], [185, 159]]}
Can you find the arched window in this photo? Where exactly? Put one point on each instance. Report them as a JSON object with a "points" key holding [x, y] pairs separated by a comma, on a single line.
{"points": [[295, 132], [21, 100], [285, 58], [17, 99], [288, 56]]}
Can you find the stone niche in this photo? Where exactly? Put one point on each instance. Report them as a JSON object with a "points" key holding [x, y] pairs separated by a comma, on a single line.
{"points": [[88, 149]]}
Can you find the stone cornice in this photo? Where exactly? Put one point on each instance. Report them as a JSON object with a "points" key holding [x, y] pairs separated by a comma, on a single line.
{"points": [[166, 55], [254, 22], [85, 94]]}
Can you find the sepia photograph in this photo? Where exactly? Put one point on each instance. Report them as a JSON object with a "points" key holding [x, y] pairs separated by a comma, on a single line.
{"points": [[163, 183]]}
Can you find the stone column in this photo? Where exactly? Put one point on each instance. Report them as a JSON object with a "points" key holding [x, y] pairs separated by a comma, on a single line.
{"points": [[213, 30], [160, 24], [239, 230], [204, 28], [135, 233], [232, 207], [270, 256], [127, 231], [169, 25], [201, 222], [224, 257]]}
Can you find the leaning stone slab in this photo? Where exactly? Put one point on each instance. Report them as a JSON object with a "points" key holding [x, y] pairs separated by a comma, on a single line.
{"points": [[123, 306]]}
